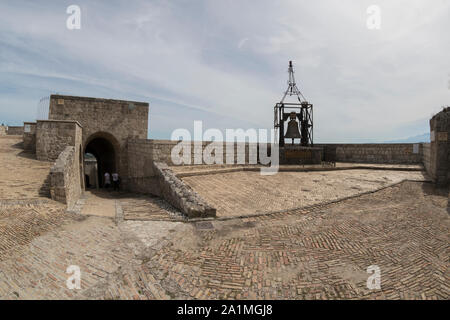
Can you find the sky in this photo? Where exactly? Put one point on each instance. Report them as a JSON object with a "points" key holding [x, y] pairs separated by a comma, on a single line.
{"points": [[225, 62]]}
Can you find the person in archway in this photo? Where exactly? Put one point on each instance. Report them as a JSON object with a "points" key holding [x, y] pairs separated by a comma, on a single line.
{"points": [[107, 183], [115, 178]]}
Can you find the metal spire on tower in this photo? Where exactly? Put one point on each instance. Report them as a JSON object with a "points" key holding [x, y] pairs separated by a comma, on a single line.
{"points": [[292, 88]]}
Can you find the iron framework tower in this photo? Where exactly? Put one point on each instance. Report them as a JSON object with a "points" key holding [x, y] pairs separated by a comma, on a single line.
{"points": [[302, 109]]}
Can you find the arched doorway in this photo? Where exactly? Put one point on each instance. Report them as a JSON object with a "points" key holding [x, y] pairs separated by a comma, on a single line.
{"points": [[104, 148]]}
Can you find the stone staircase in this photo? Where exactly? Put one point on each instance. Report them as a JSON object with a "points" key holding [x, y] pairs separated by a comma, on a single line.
{"points": [[44, 191]]}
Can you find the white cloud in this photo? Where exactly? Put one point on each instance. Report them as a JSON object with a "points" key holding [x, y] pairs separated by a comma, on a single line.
{"points": [[363, 83]]}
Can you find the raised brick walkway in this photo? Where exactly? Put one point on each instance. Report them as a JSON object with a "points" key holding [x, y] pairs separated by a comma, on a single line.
{"points": [[246, 193]]}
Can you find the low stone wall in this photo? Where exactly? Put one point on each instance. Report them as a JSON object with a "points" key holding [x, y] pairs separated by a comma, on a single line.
{"points": [[180, 195], [65, 179], [2, 130], [395, 153], [29, 136], [53, 136], [14, 131]]}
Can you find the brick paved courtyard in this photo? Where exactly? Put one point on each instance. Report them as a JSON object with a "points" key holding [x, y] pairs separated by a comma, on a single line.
{"points": [[322, 252], [318, 252]]}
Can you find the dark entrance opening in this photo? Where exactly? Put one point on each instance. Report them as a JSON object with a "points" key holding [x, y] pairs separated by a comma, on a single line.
{"points": [[104, 152]]}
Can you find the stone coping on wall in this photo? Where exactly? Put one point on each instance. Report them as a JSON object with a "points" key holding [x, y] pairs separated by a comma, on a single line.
{"points": [[197, 170], [58, 96], [62, 121], [374, 144], [174, 142]]}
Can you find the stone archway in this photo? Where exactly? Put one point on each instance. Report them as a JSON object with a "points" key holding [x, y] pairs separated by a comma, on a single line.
{"points": [[105, 148]]}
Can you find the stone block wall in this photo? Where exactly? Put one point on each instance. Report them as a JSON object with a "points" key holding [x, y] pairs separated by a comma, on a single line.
{"points": [[242, 153], [426, 159], [14, 131], [53, 136], [119, 119], [141, 177], [3, 131], [29, 136], [395, 153], [180, 195], [440, 147], [142, 153], [65, 178], [123, 119]]}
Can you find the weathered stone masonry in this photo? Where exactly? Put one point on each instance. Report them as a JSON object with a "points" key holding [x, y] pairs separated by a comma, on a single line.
{"points": [[427, 157], [439, 168], [14, 130], [395, 153], [61, 141], [115, 120], [29, 136], [53, 136], [65, 178], [180, 195]]}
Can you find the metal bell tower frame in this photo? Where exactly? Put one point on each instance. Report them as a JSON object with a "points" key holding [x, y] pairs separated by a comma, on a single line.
{"points": [[302, 109]]}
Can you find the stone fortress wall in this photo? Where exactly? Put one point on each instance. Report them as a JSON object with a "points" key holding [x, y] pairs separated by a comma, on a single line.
{"points": [[53, 136], [115, 120], [439, 168]]}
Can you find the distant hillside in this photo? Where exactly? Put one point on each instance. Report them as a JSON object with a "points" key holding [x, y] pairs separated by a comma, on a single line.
{"points": [[425, 137]]}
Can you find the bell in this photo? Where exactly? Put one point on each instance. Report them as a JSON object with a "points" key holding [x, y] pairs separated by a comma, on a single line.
{"points": [[292, 131]]}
